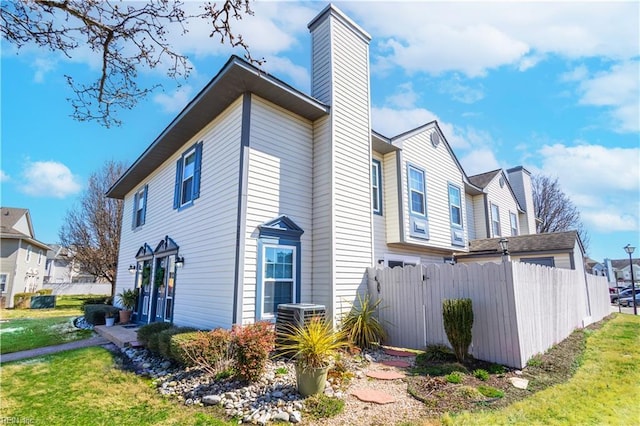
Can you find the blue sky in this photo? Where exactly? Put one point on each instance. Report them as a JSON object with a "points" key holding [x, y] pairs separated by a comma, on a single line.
{"points": [[550, 86]]}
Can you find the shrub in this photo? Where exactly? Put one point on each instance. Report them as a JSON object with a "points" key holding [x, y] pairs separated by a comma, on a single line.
{"points": [[435, 353], [536, 361], [22, 300], [147, 332], [103, 300], [454, 377], [95, 314], [210, 350], [45, 292], [321, 406], [481, 374], [490, 392], [457, 315], [251, 345], [497, 369], [164, 339], [361, 325]]}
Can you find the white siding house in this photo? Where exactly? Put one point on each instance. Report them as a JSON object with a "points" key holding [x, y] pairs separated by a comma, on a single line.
{"points": [[257, 194]]}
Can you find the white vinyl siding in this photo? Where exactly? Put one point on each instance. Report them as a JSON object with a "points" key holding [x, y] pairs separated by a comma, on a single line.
{"points": [[393, 206], [280, 179], [376, 186], [441, 171], [481, 220], [471, 223], [506, 202], [205, 232]]}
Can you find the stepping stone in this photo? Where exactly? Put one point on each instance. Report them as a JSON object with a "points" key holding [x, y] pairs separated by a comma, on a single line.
{"points": [[394, 363], [385, 375], [135, 344], [394, 352], [519, 382], [370, 395]]}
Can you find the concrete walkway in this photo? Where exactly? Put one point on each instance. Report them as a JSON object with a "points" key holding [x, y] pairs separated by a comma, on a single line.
{"points": [[32, 353]]}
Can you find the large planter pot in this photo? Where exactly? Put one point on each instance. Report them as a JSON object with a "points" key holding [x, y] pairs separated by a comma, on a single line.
{"points": [[109, 322], [311, 381], [125, 316]]}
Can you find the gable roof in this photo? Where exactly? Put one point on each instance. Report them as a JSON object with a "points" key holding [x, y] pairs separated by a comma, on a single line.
{"points": [[619, 264], [548, 242], [484, 179], [9, 217], [235, 78]]}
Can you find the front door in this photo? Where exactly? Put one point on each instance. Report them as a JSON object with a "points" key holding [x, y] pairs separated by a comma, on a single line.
{"points": [[144, 286], [163, 289]]}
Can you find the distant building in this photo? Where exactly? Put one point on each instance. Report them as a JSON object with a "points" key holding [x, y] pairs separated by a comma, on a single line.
{"points": [[62, 268], [23, 258], [619, 270]]}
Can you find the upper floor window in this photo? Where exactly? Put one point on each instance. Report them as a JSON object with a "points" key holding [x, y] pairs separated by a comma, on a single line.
{"points": [[28, 257], [40, 253], [187, 186], [455, 205], [495, 220], [417, 193], [376, 186], [140, 207], [513, 218]]}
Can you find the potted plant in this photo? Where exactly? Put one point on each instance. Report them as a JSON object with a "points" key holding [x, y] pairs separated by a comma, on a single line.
{"points": [[128, 301], [109, 318], [313, 346]]}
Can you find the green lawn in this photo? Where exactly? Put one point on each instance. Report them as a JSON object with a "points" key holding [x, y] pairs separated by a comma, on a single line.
{"points": [[604, 391], [23, 334], [65, 306], [83, 387]]}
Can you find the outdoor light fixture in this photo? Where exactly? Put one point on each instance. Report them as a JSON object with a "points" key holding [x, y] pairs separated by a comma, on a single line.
{"points": [[179, 261], [629, 249], [132, 269], [504, 246]]}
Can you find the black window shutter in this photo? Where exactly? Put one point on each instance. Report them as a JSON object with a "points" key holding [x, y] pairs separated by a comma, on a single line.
{"points": [[196, 172], [176, 193]]}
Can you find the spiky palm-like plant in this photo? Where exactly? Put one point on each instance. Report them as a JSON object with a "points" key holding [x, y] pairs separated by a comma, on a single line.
{"points": [[361, 325], [312, 344], [457, 316]]}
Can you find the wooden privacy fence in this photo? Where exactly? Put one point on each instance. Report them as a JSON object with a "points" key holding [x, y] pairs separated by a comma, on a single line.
{"points": [[519, 309]]}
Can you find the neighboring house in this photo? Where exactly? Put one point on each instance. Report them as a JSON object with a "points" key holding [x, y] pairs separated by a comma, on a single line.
{"points": [[619, 270], [257, 194], [23, 258], [556, 249], [594, 267], [61, 267]]}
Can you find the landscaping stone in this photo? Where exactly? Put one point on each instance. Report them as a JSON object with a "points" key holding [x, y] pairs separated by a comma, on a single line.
{"points": [[385, 375], [211, 399], [371, 395], [395, 363], [395, 352], [519, 382]]}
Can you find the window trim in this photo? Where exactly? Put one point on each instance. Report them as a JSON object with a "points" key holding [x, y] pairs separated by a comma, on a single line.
{"points": [[136, 201], [390, 257], [412, 212], [178, 194], [4, 279], [263, 244], [27, 258], [459, 206], [513, 220], [376, 186], [495, 221], [40, 253]]}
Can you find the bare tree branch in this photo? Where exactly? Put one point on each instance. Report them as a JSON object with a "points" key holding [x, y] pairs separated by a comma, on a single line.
{"points": [[126, 36], [91, 231], [555, 209]]}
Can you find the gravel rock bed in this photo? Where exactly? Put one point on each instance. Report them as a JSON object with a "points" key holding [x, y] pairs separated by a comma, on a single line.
{"points": [[273, 397]]}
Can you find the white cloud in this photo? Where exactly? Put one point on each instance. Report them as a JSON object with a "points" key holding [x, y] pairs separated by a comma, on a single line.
{"points": [[280, 67], [618, 89], [49, 179], [461, 92], [479, 161], [602, 182], [474, 37], [42, 67], [176, 101], [4, 177], [579, 73]]}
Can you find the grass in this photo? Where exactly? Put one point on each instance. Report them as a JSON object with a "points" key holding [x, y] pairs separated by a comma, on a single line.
{"points": [[603, 390], [84, 387], [23, 334], [24, 329], [65, 306]]}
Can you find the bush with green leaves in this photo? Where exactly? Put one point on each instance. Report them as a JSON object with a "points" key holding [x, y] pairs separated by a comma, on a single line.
{"points": [[454, 377], [435, 353], [361, 324], [321, 406], [100, 300], [44, 292], [164, 339], [457, 315], [148, 334], [209, 350], [481, 374], [252, 344], [490, 392], [95, 314], [22, 300]]}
